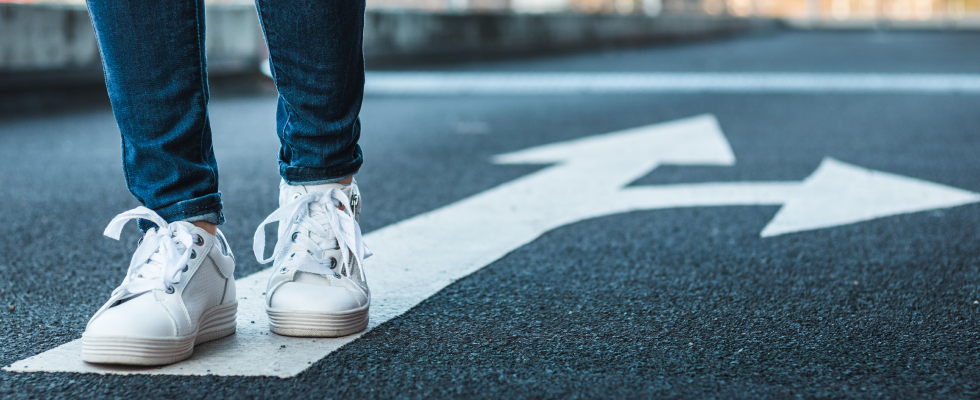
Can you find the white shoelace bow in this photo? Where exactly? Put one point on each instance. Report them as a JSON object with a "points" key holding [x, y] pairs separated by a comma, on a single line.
{"points": [[297, 214], [160, 258]]}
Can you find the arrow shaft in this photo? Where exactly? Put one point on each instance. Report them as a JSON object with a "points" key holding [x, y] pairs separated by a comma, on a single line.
{"points": [[434, 249], [458, 239], [706, 195]]}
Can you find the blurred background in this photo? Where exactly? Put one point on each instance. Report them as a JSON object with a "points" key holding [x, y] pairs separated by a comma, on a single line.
{"points": [[835, 10], [794, 10], [47, 47]]}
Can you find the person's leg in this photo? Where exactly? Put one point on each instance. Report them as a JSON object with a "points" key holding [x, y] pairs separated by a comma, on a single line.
{"points": [[318, 66], [318, 287], [156, 75], [179, 289]]}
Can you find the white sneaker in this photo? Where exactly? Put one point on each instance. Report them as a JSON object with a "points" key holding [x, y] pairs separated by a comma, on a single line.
{"points": [[179, 291], [317, 287]]}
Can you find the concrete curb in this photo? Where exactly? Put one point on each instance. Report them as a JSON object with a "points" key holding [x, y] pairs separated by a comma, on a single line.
{"points": [[48, 44], [55, 44]]}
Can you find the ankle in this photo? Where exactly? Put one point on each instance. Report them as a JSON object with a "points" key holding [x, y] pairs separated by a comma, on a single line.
{"points": [[207, 226]]}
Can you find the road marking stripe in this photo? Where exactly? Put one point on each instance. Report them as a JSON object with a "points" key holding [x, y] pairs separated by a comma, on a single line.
{"points": [[531, 83], [589, 178]]}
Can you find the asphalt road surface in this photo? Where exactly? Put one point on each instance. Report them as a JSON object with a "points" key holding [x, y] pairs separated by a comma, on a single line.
{"points": [[686, 302]]}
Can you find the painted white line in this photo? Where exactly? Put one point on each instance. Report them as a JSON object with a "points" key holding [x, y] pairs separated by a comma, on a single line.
{"points": [[418, 257], [835, 194], [531, 83]]}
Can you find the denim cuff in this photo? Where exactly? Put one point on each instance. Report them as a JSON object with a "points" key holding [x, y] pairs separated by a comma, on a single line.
{"points": [[204, 208], [315, 176]]}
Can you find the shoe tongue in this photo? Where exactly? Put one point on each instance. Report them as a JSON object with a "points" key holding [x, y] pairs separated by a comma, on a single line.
{"points": [[190, 227], [288, 191], [327, 186], [154, 267], [302, 261]]}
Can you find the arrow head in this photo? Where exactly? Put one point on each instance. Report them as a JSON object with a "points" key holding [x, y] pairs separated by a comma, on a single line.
{"points": [[839, 194], [691, 141]]}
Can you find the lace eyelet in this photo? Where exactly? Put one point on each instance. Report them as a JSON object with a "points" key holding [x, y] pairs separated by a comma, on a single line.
{"points": [[341, 207], [283, 270], [199, 240], [295, 235], [336, 275], [170, 290], [333, 262], [193, 254]]}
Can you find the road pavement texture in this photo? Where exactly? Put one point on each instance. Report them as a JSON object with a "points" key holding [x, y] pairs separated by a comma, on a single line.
{"points": [[678, 302]]}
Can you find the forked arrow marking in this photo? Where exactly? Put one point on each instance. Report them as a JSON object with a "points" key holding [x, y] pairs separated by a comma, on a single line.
{"points": [[835, 194], [418, 257]]}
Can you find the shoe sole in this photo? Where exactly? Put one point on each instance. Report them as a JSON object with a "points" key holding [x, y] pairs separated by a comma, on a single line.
{"points": [[317, 324], [216, 323]]}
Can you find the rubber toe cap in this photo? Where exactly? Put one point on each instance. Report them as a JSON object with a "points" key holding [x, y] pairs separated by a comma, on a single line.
{"points": [[298, 296], [140, 317]]}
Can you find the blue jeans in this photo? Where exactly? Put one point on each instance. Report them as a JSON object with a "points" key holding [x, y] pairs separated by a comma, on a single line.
{"points": [[156, 75]]}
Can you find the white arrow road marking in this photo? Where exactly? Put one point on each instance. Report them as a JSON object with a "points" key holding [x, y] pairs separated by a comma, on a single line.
{"points": [[840, 194], [835, 194], [533, 83], [418, 257]]}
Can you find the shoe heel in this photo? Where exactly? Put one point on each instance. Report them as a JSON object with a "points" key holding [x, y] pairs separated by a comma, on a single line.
{"points": [[218, 322]]}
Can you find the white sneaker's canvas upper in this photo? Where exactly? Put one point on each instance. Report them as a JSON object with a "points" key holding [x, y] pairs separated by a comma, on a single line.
{"points": [[318, 257], [180, 285]]}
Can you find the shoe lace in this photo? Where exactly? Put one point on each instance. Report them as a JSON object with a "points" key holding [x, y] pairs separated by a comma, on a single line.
{"points": [[159, 260], [330, 219]]}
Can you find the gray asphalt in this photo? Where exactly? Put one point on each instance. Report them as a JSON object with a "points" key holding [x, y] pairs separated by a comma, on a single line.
{"points": [[673, 303]]}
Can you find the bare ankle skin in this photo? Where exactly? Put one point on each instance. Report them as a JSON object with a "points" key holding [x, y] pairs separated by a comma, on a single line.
{"points": [[207, 226], [213, 229]]}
